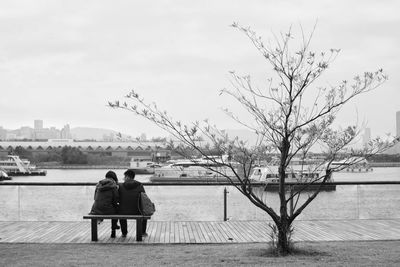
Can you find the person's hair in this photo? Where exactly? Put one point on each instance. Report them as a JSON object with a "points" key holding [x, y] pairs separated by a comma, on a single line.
{"points": [[112, 175], [130, 173]]}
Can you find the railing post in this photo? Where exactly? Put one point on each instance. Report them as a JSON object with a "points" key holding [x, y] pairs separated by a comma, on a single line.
{"points": [[225, 204]]}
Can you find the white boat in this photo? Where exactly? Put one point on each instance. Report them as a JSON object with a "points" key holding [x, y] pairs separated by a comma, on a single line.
{"points": [[193, 170], [143, 166], [295, 174], [4, 175], [15, 166], [352, 164]]}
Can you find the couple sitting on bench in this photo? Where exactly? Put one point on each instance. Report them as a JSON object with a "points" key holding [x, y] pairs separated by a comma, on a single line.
{"points": [[112, 198]]}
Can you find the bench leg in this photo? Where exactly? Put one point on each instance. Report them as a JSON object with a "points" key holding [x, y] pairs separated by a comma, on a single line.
{"points": [[94, 230], [139, 229]]}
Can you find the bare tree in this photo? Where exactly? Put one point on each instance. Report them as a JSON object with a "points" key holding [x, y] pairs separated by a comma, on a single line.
{"points": [[290, 118]]}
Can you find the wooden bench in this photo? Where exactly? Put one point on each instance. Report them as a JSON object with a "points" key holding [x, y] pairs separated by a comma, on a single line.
{"points": [[138, 218]]}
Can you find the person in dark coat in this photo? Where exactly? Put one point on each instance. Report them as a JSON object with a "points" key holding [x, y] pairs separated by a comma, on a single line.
{"points": [[129, 193], [106, 198]]}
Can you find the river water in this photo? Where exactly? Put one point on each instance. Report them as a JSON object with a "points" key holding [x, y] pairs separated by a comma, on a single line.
{"points": [[199, 202], [94, 175]]}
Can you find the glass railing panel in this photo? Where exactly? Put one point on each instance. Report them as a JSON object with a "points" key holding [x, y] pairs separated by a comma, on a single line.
{"points": [[202, 203], [54, 203], [239, 206], [379, 201], [9, 209], [181, 203], [340, 204]]}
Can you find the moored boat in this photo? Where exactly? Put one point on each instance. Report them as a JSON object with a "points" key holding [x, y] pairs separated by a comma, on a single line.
{"points": [[4, 175], [352, 164], [143, 166], [306, 178], [193, 170], [15, 166]]}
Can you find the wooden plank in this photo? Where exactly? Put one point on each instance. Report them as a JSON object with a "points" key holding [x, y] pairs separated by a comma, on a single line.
{"points": [[190, 232], [232, 233], [220, 236], [199, 232], [150, 226], [163, 232], [186, 232], [228, 234], [240, 232], [261, 229], [246, 228], [67, 232], [149, 231], [167, 232], [196, 237], [206, 234], [180, 232], [35, 231], [11, 227], [54, 233], [157, 234], [211, 230], [176, 232], [224, 235], [172, 232], [19, 232], [131, 228]]}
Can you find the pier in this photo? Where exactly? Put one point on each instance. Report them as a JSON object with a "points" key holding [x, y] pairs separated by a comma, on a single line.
{"points": [[38, 212], [199, 232]]}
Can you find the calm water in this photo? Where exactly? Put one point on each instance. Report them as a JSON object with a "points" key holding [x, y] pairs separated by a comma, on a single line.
{"points": [[94, 175], [199, 202]]}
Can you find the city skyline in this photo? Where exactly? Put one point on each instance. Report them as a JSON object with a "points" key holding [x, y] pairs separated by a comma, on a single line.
{"points": [[62, 62], [39, 132]]}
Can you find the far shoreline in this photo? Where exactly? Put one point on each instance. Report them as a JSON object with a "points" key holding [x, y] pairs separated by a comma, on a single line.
{"points": [[85, 166], [80, 167]]}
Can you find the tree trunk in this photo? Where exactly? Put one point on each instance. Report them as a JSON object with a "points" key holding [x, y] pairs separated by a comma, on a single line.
{"points": [[284, 246]]}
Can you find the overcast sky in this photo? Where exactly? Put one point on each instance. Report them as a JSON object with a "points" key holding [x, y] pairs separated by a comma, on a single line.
{"points": [[61, 61]]}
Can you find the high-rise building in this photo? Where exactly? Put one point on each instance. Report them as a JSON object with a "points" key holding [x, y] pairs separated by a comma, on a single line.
{"points": [[366, 136], [3, 133], [398, 123], [38, 124], [66, 132]]}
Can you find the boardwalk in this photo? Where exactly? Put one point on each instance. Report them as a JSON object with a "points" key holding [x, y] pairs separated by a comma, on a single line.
{"points": [[160, 232]]}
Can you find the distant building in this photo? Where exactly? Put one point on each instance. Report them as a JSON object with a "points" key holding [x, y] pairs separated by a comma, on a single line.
{"points": [[11, 136], [366, 136], [66, 132], [108, 137], [398, 123], [26, 132], [396, 149], [3, 133], [38, 124]]}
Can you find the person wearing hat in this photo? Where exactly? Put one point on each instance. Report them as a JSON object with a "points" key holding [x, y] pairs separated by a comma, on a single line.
{"points": [[129, 193], [106, 198]]}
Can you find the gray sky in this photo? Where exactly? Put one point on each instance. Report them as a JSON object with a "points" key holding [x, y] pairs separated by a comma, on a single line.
{"points": [[61, 61]]}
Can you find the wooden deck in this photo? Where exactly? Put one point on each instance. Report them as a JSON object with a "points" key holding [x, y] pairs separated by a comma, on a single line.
{"points": [[160, 232]]}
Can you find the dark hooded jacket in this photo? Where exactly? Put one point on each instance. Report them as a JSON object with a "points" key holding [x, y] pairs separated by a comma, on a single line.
{"points": [[129, 193], [105, 197]]}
